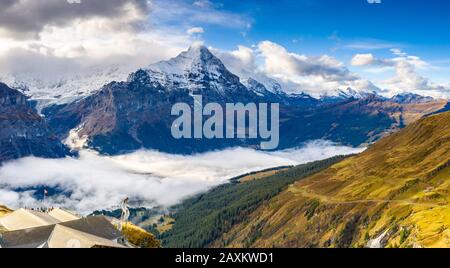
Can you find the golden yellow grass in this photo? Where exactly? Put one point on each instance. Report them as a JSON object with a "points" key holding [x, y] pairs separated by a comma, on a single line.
{"points": [[139, 237], [166, 225]]}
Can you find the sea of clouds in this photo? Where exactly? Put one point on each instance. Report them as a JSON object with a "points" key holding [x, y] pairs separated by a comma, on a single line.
{"points": [[149, 178]]}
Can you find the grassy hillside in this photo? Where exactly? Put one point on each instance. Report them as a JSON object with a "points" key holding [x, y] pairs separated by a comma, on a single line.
{"points": [[202, 219], [395, 194], [260, 174], [139, 237]]}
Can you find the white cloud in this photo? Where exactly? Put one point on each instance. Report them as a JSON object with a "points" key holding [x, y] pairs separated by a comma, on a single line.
{"points": [[362, 59], [58, 41], [244, 63], [279, 62], [76, 56], [316, 75], [69, 50], [26, 19], [406, 77], [195, 30], [268, 62], [148, 178], [239, 61]]}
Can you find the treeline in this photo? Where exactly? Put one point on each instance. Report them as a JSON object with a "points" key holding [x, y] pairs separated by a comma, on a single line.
{"points": [[238, 178], [200, 220]]}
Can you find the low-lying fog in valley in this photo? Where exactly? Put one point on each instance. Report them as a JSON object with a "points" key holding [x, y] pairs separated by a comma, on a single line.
{"points": [[91, 182]]}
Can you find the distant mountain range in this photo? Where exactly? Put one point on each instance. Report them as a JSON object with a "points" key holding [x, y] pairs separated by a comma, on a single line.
{"points": [[124, 116], [59, 89]]}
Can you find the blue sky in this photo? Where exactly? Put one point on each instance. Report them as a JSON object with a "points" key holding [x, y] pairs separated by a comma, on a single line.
{"points": [[414, 23], [325, 26]]}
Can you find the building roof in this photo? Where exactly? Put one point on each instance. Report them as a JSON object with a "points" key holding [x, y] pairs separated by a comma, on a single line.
{"points": [[24, 219], [96, 225], [28, 238], [63, 215], [65, 237], [88, 232]]}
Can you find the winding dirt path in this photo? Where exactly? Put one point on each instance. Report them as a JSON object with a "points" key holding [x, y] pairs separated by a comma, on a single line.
{"points": [[331, 200]]}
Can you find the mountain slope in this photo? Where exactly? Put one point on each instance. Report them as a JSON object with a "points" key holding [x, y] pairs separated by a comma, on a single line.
{"points": [[23, 132], [139, 237], [351, 121], [126, 116], [198, 71], [201, 219], [395, 194]]}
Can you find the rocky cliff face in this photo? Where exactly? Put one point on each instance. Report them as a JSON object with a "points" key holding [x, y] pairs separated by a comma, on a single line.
{"points": [[122, 116], [22, 131]]}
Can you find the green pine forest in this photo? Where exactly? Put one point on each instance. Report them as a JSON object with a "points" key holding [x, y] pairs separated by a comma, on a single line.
{"points": [[200, 220]]}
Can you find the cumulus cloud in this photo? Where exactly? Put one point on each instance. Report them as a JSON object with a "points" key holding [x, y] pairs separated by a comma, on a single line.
{"points": [[280, 62], [56, 40], [317, 75], [149, 178], [362, 59], [61, 41], [29, 17], [270, 63], [70, 55], [239, 61], [407, 77], [243, 62]]}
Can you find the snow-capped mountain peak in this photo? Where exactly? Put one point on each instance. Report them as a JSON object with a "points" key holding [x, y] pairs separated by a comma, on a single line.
{"points": [[196, 59], [195, 69], [350, 93], [65, 88], [408, 98], [265, 83]]}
